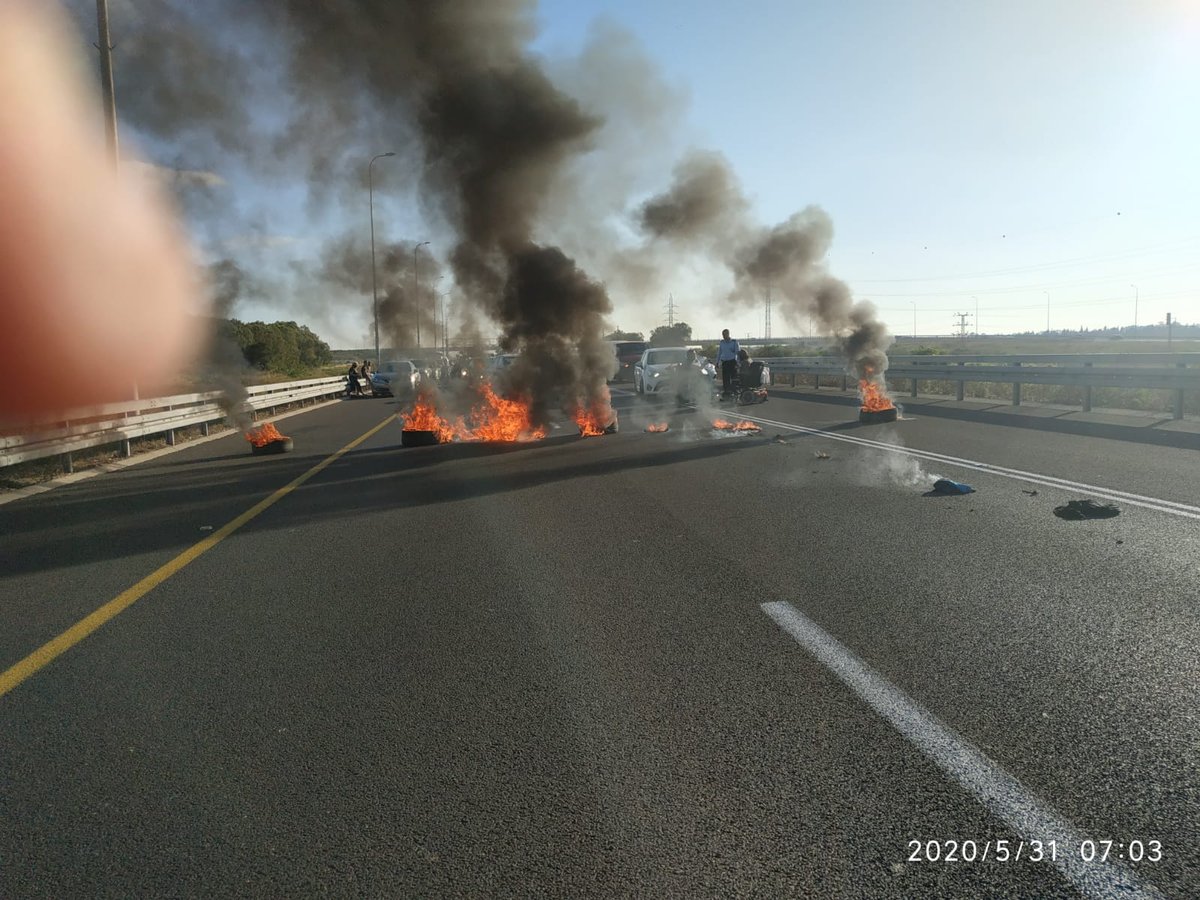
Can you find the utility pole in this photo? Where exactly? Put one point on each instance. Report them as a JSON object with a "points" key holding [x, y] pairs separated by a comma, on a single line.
{"points": [[767, 316], [670, 310], [417, 291], [374, 276], [445, 328], [962, 324], [1168, 332], [106, 80]]}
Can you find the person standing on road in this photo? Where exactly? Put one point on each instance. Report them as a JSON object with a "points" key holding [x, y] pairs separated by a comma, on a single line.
{"points": [[727, 359]]}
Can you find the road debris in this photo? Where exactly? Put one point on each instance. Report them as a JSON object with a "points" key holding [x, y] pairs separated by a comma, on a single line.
{"points": [[1030, 493], [1078, 510], [821, 454], [944, 486]]}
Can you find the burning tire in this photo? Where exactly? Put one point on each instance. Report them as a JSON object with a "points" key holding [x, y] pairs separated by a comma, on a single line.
{"points": [[418, 438], [876, 416], [283, 445]]}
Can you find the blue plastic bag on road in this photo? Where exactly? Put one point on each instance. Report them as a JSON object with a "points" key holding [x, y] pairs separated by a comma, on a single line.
{"points": [[946, 486]]}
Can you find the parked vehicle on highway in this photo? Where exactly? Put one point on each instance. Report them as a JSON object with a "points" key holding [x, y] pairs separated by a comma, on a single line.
{"points": [[628, 353], [431, 366], [500, 362], [674, 371], [395, 378]]}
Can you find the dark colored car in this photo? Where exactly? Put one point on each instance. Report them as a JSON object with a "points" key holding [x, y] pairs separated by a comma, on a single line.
{"points": [[628, 354]]}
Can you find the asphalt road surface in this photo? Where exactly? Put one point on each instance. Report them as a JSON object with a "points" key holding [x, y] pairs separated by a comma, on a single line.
{"points": [[637, 665]]}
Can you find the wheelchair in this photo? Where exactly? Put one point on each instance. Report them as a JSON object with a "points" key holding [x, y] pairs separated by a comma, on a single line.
{"points": [[749, 386]]}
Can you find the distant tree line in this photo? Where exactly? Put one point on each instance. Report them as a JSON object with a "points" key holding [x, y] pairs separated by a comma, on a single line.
{"points": [[671, 335], [283, 347], [620, 335]]}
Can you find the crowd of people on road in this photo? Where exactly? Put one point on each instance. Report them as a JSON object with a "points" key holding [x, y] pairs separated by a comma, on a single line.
{"points": [[356, 377]]}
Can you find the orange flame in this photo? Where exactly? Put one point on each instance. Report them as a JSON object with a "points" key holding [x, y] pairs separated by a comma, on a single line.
{"points": [[656, 427], [723, 425], [425, 418], [264, 434], [502, 419], [595, 419], [494, 419], [874, 395]]}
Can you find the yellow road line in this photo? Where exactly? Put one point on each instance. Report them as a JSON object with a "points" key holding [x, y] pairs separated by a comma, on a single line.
{"points": [[54, 648]]}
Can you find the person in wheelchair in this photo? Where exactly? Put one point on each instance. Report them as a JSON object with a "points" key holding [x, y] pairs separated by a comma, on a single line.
{"points": [[752, 379]]}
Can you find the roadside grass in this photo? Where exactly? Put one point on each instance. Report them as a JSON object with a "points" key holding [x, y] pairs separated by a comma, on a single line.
{"points": [[277, 377], [1136, 399], [984, 346]]}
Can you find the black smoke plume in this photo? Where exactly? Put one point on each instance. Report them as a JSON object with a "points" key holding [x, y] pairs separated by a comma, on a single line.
{"points": [[407, 278], [704, 208], [450, 86], [704, 202], [226, 363], [298, 91]]}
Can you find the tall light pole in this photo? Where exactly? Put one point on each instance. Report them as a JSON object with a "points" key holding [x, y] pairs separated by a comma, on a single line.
{"points": [[106, 80], [914, 306], [445, 327], [1047, 293], [417, 291], [374, 279], [1135, 303]]}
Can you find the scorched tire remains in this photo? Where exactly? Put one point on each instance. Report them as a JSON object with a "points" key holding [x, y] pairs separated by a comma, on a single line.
{"points": [[280, 446], [876, 416], [418, 438]]}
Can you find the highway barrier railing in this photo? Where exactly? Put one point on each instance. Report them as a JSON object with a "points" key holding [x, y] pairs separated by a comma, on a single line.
{"points": [[86, 428], [1174, 372]]}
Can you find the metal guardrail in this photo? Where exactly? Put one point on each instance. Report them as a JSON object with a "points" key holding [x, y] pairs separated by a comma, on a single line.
{"points": [[118, 423], [1175, 372]]}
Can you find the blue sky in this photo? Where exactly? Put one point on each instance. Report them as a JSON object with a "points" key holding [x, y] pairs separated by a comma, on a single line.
{"points": [[973, 155], [1030, 147]]}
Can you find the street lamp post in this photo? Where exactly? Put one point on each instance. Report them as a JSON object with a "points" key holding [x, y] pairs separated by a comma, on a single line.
{"points": [[106, 81], [914, 306], [374, 279], [1135, 304], [445, 328], [417, 290]]}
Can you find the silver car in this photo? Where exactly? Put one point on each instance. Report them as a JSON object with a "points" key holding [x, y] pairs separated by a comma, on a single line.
{"points": [[395, 378]]}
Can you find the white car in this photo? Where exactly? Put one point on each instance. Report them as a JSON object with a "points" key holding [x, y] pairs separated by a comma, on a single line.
{"points": [[669, 371], [501, 362], [395, 378]]}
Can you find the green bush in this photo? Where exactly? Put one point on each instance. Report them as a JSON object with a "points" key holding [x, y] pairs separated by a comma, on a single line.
{"points": [[283, 347]]}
